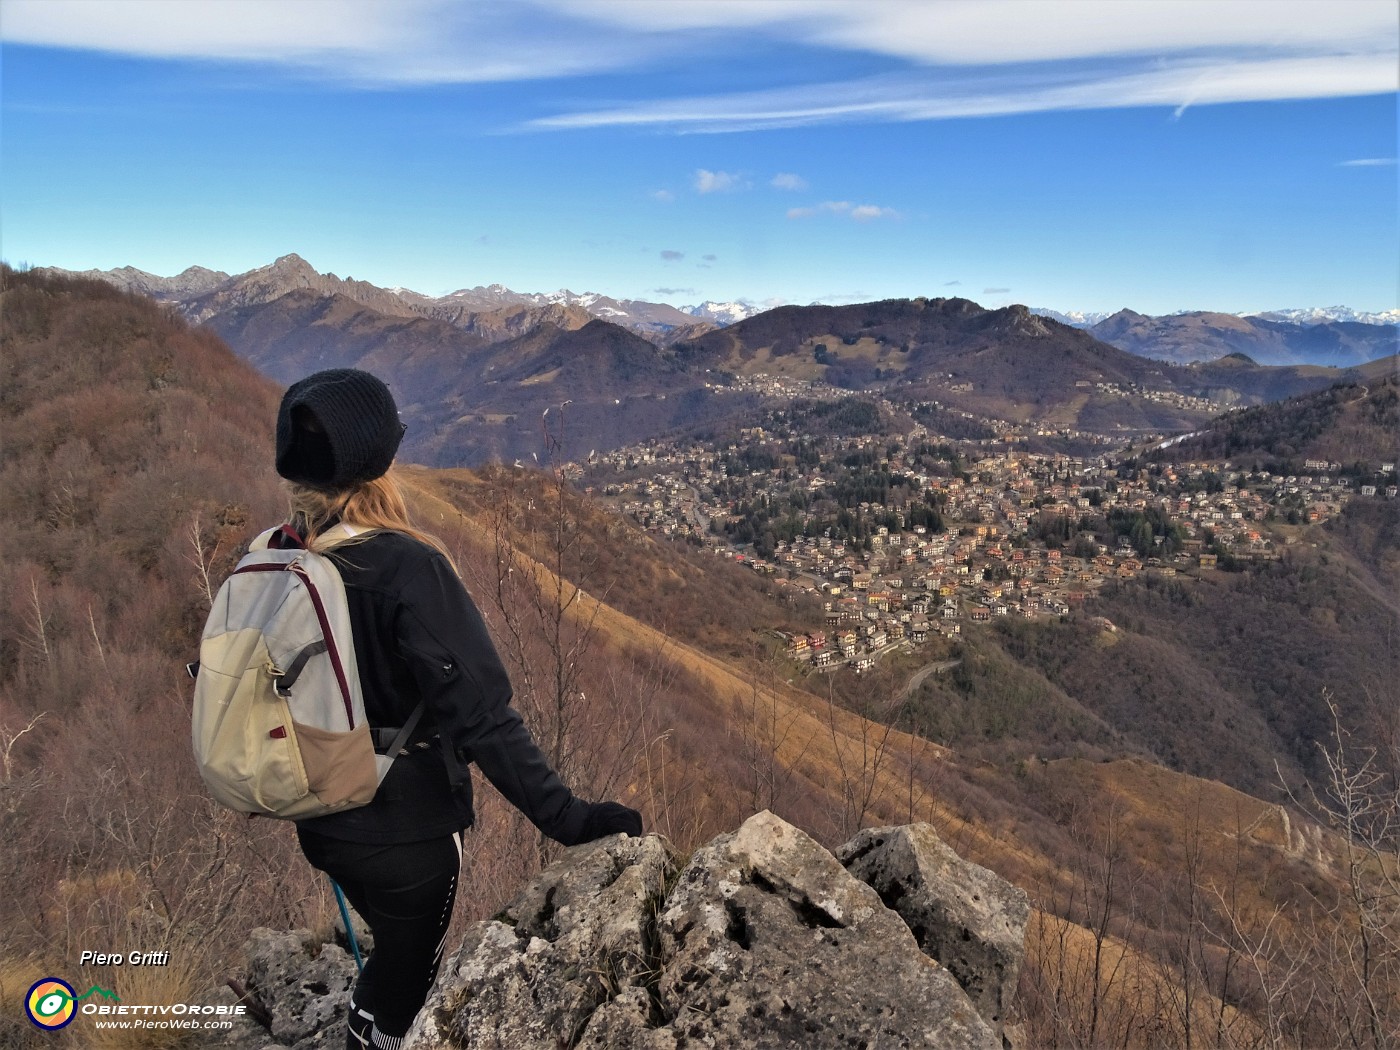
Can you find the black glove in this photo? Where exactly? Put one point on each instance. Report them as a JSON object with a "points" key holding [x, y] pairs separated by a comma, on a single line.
{"points": [[610, 818]]}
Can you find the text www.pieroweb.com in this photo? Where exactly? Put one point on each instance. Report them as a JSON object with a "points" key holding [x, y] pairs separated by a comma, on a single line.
{"points": [[180, 1017]]}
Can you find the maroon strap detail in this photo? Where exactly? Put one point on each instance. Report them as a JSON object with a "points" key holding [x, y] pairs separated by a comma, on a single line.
{"points": [[323, 620], [329, 636], [263, 567], [286, 538], [280, 733]]}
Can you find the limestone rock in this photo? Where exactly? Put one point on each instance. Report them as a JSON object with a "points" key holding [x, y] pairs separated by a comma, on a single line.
{"points": [[572, 939], [764, 940], [303, 985], [968, 918]]}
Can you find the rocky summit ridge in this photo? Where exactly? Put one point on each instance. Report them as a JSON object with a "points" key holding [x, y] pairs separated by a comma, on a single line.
{"points": [[762, 938]]}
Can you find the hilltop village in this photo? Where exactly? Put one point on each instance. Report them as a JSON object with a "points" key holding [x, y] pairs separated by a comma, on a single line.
{"points": [[907, 538]]}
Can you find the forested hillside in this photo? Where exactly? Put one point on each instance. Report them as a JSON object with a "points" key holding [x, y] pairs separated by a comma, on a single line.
{"points": [[1356, 425]]}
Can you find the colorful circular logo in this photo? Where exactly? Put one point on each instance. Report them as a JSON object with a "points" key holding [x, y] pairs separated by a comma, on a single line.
{"points": [[50, 1003]]}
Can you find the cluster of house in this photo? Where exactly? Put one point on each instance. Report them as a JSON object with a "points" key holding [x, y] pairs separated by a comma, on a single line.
{"points": [[1162, 397], [911, 585]]}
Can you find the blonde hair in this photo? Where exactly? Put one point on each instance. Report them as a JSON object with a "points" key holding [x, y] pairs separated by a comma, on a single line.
{"points": [[368, 507]]}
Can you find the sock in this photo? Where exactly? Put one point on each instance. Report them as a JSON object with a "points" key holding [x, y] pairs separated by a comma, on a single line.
{"points": [[380, 1041], [358, 1024]]}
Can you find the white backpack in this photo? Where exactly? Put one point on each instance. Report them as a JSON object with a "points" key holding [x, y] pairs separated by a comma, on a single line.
{"points": [[279, 724]]}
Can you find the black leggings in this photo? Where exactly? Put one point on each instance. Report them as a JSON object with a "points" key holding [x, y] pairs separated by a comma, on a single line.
{"points": [[405, 893]]}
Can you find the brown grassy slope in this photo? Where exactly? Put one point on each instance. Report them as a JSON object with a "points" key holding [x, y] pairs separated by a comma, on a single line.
{"points": [[133, 467]]}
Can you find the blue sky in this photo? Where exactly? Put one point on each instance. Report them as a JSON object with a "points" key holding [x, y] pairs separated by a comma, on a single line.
{"points": [[1077, 154]]}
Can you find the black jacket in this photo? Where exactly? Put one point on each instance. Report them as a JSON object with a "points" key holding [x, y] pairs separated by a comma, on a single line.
{"points": [[418, 635]]}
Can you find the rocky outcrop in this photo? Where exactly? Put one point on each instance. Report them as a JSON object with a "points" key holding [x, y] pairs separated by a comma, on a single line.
{"points": [[968, 918], [295, 990], [762, 938]]}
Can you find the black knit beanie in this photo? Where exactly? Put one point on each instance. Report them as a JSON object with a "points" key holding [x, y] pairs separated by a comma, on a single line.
{"points": [[336, 429]]}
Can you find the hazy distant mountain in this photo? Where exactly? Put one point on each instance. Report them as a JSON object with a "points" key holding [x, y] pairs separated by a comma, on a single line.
{"points": [[1074, 318], [192, 282], [1319, 315], [478, 390], [638, 315], [1204, 336], [724, 313], [1307, 336], [202, 293], [1309, 316], [292, 273]]}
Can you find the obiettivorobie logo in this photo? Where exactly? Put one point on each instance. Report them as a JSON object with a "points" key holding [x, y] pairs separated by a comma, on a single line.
{"points": [[52, 1004]]}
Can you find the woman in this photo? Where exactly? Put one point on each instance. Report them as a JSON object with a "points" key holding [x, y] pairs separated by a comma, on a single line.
{"points": [[418, 638]]}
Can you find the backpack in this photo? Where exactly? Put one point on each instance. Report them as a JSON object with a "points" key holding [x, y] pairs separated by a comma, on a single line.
{"points": [[279, 724]]}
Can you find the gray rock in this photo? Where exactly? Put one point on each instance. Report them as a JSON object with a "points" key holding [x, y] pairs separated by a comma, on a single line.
{"points": [[575, 937], [766, 941], [305, 986], [968, 918]]}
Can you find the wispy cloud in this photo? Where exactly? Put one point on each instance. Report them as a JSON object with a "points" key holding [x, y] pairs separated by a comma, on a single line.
{"points": [[858, 212], [1369, 162], [717, 181], [674, 291], [788, 181], [672, 256], [996, 291], [941, 94], [367, 42], [710, 258], [664, 196], [958, 57], [999, 32]]}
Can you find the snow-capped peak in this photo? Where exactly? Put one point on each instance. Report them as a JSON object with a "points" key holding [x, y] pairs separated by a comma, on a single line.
{"points": [[722, 313], [1074, 318], [1322, 314]]}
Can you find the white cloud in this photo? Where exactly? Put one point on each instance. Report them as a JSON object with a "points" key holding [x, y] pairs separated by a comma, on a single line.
{"points": [[870, 212], [938, 96], [664, 196], [1000, 32], [717, 181], [788, 181], [953, 58], [1369, 162], [381, 42], [858, 212]]}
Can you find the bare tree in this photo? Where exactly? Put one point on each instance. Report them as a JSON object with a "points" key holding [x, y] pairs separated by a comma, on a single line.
{"points": [[1359, 937]]}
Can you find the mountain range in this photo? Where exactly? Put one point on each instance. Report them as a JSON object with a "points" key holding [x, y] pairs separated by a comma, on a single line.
{"points": [[1204, 336], [476, 370], [214, 289], [1277, 337], [1306, 316]]}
